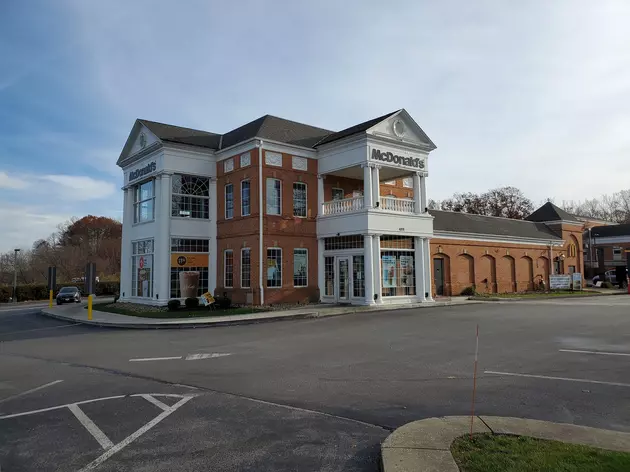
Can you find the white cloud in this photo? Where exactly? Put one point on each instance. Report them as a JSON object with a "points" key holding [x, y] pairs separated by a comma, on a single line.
{"points": [[23, 224], [12, 182], [79, 187]]}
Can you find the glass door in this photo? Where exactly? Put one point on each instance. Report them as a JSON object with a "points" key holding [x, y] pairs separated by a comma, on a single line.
{"points": [[343, 295]]}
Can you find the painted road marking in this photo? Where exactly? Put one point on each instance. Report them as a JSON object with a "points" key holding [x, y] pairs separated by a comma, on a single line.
{"points": [[194, 357], [146, 359], [125, 442], [31, 390], [32, 412], [94, 430], [600, 382], [601, 353], [155, 401]]}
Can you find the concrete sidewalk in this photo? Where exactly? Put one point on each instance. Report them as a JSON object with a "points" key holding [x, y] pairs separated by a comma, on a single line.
{"points": [[425, 444], [78, 314]]}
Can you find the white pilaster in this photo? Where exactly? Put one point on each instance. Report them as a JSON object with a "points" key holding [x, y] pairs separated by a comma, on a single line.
{"points": [[321, 283], [368, 269], [419, 269], [423, 193], [213, 256], [417, 194], [320, 194], [376, 189], [376, 266], [162, 243], [367, 187], [428, 277], [125, 252]]}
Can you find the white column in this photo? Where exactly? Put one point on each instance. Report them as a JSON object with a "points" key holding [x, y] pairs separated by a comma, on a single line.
{"points": [[423, 193], [367, 186], [213, 256], [419, 269], [162, 244], [376, 268], [368, 269], [125, 252], [426, 248], [321, 281], [417, 194], [376, 187], [320, 194]]}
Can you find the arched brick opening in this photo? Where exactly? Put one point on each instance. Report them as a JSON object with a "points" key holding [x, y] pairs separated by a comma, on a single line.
{"points": [[526, 274], [441, 274], [577, 260], [463, 273], [541, 271], [507, 271], [487, 274]]}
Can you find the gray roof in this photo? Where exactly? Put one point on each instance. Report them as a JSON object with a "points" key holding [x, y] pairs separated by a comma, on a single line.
{"points": [[458, 222], [361, 127], [177, 134], [551, 212], [611, 230]]}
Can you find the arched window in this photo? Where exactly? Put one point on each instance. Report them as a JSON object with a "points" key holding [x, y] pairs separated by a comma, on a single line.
{"points": [[191, 195]]}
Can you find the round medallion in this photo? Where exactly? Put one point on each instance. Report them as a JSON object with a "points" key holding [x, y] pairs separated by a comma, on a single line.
{"points": [[181, 260], [399, 128], [143, 140]]}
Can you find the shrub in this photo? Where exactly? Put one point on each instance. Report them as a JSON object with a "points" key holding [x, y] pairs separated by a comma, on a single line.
{"points": [[173, 305], [191, 302], [223, 302], [607, 285], [468, 291]]}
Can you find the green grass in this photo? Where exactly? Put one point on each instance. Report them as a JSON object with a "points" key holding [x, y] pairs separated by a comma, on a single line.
{"points": [[497, 453], [555, 293], [181, 313]]}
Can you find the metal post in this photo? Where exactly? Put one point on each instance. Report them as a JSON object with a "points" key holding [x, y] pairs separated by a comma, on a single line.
{"points": [[15, 254], [50, 298], [590, 247], [89, 308]]}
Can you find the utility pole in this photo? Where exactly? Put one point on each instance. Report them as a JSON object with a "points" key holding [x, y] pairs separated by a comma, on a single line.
{"points": [[15, 257]]}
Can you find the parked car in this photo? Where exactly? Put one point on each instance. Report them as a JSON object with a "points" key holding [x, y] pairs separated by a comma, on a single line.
{"points": [[68, 295], [609, 276]]}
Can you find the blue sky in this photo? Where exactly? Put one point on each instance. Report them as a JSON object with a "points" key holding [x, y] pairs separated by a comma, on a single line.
{"points": [[533, 94]]}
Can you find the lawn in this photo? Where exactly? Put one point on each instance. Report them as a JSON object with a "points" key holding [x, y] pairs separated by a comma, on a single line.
{"points": [[499, 453], [142, 311]]}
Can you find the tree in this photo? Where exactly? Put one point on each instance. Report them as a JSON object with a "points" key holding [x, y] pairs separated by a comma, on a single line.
{"points": [[507, 202]]}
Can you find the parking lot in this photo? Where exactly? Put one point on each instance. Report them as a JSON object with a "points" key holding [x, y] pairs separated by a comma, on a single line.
{"points": [[316, 394]]}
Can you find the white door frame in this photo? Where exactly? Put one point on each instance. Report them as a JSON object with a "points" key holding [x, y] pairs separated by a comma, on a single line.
{"points": [[338, 262]]}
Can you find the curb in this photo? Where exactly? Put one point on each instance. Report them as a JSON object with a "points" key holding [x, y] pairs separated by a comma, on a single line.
{"points": [[177, 324], [425, 444], [527, 299]]}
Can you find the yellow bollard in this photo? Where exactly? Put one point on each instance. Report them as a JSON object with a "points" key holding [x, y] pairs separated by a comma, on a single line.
{"points": [[50, 299], [89, 307]]}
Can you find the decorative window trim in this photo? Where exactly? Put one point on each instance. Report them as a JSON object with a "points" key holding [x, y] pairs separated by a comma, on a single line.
{"points": [[225, 199], [245, 160], [225, 256], [228, 165], [185, 200], [273, 159], [299, 163]]}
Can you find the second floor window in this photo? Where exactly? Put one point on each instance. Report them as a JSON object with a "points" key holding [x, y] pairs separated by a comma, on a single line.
{"points": [[143, 202], [191, 196], [274, 197], [245, 198], [229, 201], [246, 268], [299, 199], [228, 267]]}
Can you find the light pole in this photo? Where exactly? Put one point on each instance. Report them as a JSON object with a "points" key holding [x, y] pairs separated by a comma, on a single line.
{"points": [[15, 255], [590, 247]]}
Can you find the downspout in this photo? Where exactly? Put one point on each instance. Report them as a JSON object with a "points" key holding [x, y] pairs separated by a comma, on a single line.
{"points": [[260, 220], [552, 269]]}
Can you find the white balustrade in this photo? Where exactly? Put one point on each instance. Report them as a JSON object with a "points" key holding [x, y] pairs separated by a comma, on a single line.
{"points": [[401, 205], [345, 205]]}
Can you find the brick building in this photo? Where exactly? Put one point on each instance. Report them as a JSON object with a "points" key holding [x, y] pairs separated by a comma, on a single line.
{"points": [[606, 247], [282, 212]]}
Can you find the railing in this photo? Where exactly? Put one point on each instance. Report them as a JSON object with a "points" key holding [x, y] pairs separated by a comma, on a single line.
{"points": [[346, 205], [400, 205]]}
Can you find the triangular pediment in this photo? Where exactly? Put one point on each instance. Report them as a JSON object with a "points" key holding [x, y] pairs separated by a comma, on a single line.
{"points": [[401, 127], [139, 139]]}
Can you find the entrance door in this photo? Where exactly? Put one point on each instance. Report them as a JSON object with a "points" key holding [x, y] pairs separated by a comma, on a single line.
{"points": [[438, 275], [343, 269]]}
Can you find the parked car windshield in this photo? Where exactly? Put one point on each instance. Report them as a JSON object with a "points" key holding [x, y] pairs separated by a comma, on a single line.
{"points": [[68, 290]]}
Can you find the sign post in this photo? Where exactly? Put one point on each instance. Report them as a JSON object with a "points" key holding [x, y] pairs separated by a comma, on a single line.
{"points": [[90, 281], [52, 283]]}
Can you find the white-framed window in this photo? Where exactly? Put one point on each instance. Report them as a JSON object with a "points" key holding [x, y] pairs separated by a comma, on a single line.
{"points": [[299, 199], [246, 159], [228, 165], [273, 159], [300, 267], [144, 202], [229, 201], [299, 163], [245, 198], [338, 193], [191, 196], [408, 182], [390, 182], [274, 267], [246, 267], [617, 253], [142, 268], [274, 197], [228, 268]]}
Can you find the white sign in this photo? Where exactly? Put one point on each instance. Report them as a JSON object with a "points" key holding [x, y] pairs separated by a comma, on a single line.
{"points": [[577, 281], [559, 282]]}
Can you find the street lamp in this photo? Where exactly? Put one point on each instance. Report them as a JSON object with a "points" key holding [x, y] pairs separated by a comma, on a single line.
{"points": [[15, 254]]}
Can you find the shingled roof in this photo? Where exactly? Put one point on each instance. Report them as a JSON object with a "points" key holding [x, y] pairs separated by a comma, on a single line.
{"points": [[611, 230], [360, 128], [551, 212], [457, 222], [177, 134]]}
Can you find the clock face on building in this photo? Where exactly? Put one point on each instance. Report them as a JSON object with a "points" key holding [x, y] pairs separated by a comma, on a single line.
{"points": [[399, 128]]}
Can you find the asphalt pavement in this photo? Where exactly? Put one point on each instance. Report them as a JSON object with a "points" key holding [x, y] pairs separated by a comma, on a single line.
{"points": [[304, 395]]}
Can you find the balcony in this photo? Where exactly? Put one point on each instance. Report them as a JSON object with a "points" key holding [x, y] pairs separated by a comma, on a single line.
{"points": [[354, 204]]}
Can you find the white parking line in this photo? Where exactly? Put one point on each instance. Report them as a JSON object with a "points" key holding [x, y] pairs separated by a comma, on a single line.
{"points": [[155, 401], [94, 430], [31, 390], [600, 382], [194, 357], [601, 353], [58, 407], [146, 359]]}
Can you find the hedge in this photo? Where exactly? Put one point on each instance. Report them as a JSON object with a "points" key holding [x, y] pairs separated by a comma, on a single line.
{"points": [[40, 291]]}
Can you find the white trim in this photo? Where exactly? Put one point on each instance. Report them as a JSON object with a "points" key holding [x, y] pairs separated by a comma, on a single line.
{"points": [[270, 145], [249, 180], [489, 238], [300, 249], [267, 196], [250, 268], [305, 200], [225, 214], [267, 265], [225, 253]]}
